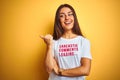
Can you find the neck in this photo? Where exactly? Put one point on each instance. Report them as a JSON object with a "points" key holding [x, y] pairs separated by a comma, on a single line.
{"points": [[69, 35]]}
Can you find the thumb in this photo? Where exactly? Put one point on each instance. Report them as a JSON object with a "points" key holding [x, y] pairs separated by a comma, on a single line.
{"points": [[42, 37]]}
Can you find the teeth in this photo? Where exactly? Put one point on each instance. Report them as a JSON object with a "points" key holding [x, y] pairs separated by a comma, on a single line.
{"points": [[67, 22]]}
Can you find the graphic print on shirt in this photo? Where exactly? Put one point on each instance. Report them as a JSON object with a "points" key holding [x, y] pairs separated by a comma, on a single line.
{"points": [[67, 49]]}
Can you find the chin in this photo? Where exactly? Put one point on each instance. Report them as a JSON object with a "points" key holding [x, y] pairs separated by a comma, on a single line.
{"points": [[68, 29]]}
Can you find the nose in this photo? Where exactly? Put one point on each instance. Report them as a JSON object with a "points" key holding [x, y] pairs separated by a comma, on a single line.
{"points": [[66, 17]]}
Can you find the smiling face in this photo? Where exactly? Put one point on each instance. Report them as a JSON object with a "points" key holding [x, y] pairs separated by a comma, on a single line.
{"points": [[66, 18]]}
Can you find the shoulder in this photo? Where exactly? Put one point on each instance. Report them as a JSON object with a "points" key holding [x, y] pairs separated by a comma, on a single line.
{"points": [[84, 40], [55, 42]]}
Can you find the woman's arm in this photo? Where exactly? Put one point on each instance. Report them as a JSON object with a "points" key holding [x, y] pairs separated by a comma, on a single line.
{"points": [[48, 39], [49, 59], [83, 70]]}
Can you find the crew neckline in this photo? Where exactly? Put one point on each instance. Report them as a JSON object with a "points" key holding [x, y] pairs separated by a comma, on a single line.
{"points": [[69, 38]]}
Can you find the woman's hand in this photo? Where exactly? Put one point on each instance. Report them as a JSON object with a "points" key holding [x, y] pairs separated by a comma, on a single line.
{"points": [[48, 39]]}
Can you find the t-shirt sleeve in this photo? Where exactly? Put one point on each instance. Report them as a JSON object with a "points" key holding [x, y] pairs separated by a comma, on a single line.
{"points": [[86, 49]]}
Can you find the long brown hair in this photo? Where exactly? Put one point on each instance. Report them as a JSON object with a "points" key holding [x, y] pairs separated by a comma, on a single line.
{"points": [[58, 30]]}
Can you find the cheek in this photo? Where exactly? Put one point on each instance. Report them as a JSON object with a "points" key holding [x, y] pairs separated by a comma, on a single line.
{"points": [[72, 18], [62, 21]]}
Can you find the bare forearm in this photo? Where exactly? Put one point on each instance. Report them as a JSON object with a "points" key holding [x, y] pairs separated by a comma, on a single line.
{"points": [[83, 70], [49, 59], [74, 72]]}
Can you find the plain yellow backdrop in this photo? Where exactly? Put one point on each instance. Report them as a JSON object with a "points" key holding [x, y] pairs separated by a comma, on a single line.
{"points": [[22, 51]]}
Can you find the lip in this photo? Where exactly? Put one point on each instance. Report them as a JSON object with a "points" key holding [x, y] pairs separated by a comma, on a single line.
{"points": [[67, 22]]}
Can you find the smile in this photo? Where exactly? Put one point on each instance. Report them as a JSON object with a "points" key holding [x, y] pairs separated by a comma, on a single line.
{"points": [[67, 22]]}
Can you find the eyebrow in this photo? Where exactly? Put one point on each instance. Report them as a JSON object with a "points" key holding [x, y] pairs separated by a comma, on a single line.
{"points": [[68, 12]]}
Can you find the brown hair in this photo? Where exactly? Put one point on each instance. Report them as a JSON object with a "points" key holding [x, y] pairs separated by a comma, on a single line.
{"points": [[58, 30]]}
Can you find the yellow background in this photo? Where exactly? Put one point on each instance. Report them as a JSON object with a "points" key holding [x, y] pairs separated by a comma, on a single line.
{"points": [[22, 52]]}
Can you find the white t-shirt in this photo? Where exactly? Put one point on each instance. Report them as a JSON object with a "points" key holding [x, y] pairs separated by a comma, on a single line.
{"points": [[68, 54]]}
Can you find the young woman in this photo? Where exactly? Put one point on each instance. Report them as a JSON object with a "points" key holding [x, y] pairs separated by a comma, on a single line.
{"points": [[68, 54]]}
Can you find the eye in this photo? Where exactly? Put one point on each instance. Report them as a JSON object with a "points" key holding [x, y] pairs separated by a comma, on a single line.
{"points": [[61, 16], [71, 14]]}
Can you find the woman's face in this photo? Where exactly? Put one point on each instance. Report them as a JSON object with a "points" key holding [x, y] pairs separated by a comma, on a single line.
{"points": [[66, 18]]}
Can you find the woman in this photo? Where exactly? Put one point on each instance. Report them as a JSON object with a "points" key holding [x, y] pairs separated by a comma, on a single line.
{"points": [[68, 52]]}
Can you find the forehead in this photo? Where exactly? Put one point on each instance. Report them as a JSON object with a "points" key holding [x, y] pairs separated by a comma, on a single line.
{"points": [[65, 10]]}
